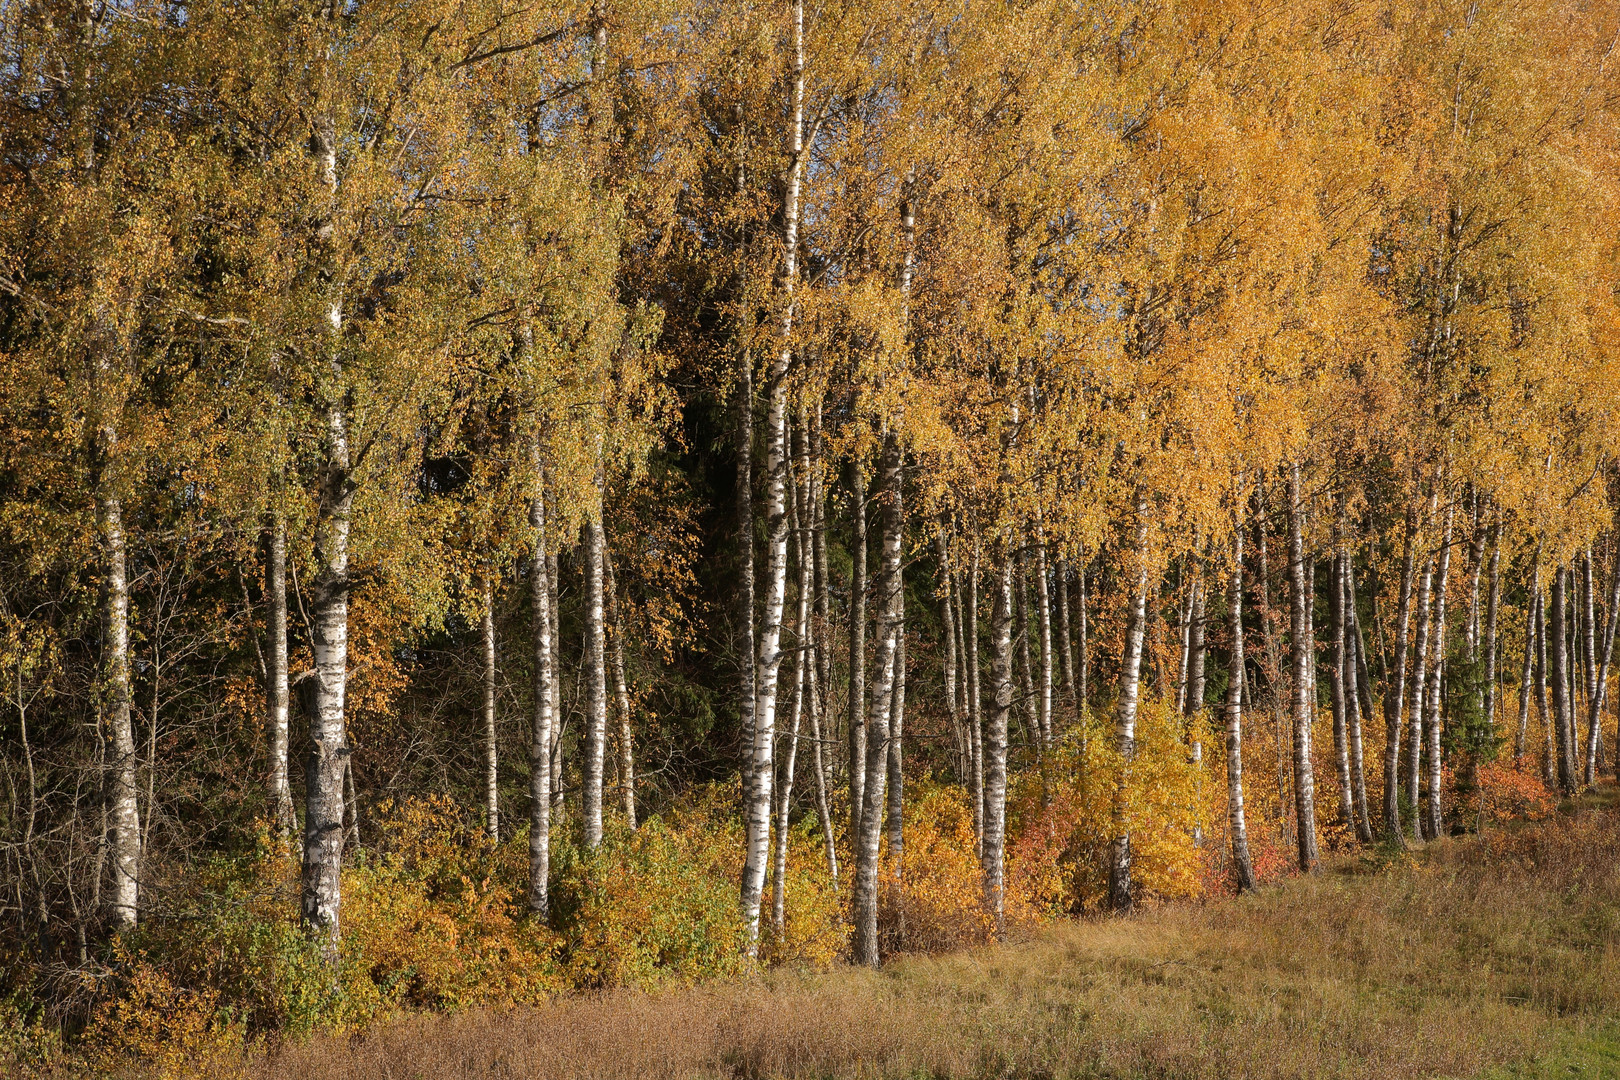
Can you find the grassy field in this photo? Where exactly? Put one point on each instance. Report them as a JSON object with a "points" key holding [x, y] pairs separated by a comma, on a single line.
{"points": [[1494, 956]]}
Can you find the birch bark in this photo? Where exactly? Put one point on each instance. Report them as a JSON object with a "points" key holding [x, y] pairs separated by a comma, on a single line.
{"points": [[1304, 780]]}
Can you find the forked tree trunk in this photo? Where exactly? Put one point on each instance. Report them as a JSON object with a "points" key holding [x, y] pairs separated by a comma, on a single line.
{"points": [[1304, 780], [545, 678], [279, 690], [1121, 894], [874, 803], [1594, 720], [769, 654], [1243, 867], [1358, 702], [1340, 701]]}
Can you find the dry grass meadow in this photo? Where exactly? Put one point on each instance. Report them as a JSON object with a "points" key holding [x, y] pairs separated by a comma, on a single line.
{"points": [[1496, 956]]}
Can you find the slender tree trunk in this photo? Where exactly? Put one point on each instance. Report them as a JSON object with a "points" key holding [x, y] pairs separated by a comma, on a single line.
{"points": [[1431, 720], [1561, 680], [976, 729], [1340, 700], [1588, 626], [1358, 702], [1543, 672], [1304, 780], [1043, 598], [594, 673], [545, 677], [1083, 660], [1196, 661], [1026, 680], [1420, 684], [1276, 676], [1065, 636], [553, 584], [948, 639], [492, 804], [994, 783], [857, 653], [621, 696], [1493, 608], [880, 710], [280, 695], [1120, 892], [1243, 867], [1532, 616], [1395, 688], [125, 833], [1594, 725], [801, 664]]}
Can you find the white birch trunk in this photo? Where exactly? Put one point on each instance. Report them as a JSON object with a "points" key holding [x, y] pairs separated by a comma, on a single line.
{"points": [[994, 762], [1120, 891], [1304, 777], [545, 678], [1243, 866], [279, 695], [621, 697], [594, 674], [492, 805]]}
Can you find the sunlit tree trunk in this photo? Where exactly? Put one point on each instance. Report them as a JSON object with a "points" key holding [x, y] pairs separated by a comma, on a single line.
{"points": [[1395, 688], [768, 647], [1420, 683], [621, 697], [545, 678], [1358, 702], [993, 844], [1431, 718], [951, 665], [594, 674], [1029, 706], [1304, 780], [492, 805], [1594, 720], [857, 651], [1043, 600], [279, 693], [976, 729], [329, 750], [880, 711], [801, 668], [1243, 867], [1065, 637], [1082, 676], [1558, 633], [1543, 706], [124, 840], [1341, 667], [1120, 891], [1488, 643]]}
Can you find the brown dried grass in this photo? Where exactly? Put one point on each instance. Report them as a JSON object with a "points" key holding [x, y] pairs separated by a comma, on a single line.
{"points": [[1471, 953]]}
